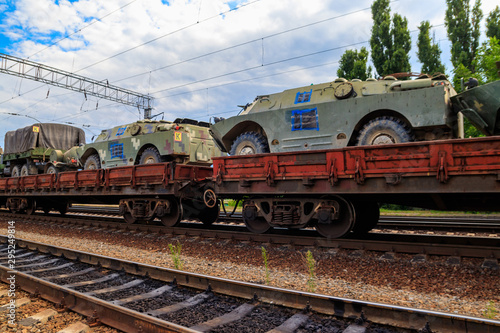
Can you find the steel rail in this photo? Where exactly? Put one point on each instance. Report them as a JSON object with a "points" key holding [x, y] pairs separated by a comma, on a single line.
{"points": [[480, 224], [395, 316], [452, 246]]}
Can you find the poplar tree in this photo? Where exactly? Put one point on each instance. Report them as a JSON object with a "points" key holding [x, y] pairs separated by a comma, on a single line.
{"points": [[428, 53], [390, 41], [352, 65], [463, 28], [493, 24]]}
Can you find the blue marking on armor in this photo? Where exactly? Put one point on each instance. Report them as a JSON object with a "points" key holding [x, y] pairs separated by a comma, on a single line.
{"points": [[303, 97], [305, 120], [121, 130], [116, 150]]}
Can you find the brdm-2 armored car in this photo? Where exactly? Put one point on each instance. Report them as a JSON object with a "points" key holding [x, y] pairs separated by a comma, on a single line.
{"points": [[344, 113]]}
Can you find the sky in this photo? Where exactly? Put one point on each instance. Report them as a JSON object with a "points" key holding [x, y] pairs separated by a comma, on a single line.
{"points": [[198, 59]]}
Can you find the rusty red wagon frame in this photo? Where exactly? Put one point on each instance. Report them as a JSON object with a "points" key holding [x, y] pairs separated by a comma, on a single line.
{"points": [[337, 190]]}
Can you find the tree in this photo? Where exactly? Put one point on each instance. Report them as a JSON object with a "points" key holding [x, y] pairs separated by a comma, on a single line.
{"points": [[390, 44], [487, 56], [428, 52], [493, 24], [484, 63], [352, 65], [463, 28]]}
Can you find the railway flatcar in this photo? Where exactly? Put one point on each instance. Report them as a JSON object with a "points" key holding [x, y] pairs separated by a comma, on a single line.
{"points": [[336, 191]]}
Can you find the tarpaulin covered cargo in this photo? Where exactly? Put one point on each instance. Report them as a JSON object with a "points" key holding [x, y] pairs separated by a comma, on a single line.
{"points": [[44, 135]]}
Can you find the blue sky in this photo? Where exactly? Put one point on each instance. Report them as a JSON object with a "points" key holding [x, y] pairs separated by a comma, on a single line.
{"points": [[183, 52]]}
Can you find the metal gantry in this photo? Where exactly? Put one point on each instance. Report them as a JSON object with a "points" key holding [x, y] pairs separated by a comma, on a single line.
{"points": [[38, 72]]}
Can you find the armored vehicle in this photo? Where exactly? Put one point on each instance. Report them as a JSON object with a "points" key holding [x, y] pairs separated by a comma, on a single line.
{"points": [[184, 141], [28, 150], [342, 113]]}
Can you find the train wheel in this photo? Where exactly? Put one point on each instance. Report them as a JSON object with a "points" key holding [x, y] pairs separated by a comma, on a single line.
{"points": [[343, 222], [209, 215], [63, 209], [254, 223], [31, 207], [129, 219], [175, 216], [367, 216]]}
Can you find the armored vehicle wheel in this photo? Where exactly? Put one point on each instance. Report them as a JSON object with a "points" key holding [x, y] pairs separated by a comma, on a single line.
{"points": [[175, 216], [343, 222], [16, 171], [150, 155], [52, 170], [254, 223], [384, 130], [92, 162], [27, 170], [249, 143], [367, 216]]}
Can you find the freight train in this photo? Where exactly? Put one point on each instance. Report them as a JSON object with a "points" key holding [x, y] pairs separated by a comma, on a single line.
{"points": [[336, 191]]}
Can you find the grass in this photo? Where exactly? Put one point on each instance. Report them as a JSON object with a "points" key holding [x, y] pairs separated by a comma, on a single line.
{"points": [[491, 311], [175, 254], [311, 267], [266, 266]]}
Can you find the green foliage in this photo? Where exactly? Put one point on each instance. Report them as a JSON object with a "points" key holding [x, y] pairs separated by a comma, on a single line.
{"points": [[463, 28], [175, 254], [352, 65], [266, 265], [485, 62], [311, 266], [428, 52], [493, 24], [390, 44], [491, 311]]}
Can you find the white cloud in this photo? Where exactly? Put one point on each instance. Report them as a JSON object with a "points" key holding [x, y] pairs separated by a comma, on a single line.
{"points": [[37, 23]]}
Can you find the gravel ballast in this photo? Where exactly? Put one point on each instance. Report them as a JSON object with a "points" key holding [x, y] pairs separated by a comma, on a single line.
{"points": [[466, 289]]}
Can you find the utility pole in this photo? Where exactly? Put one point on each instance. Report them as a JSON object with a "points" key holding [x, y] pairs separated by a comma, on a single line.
{"points": [[59, 78]]}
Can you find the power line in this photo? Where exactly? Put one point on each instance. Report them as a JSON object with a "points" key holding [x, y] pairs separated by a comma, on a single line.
{"points": [[79, 30], [169, 34], [246, 43]]}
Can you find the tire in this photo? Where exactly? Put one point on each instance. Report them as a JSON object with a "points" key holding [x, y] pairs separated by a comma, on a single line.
{"points": [[150, 155], [16, 171], [249, 143], [384, 130], [92, 163], [52, 170], [27, 170]]}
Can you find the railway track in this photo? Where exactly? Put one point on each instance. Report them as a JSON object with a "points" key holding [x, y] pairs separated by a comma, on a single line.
{"points": [[388, 244], [426, 223], [141, 298]]}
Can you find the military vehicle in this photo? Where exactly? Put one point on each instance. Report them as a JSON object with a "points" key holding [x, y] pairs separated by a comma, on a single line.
{"points": [[344, 113], [30, 150], [183, 141]]}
